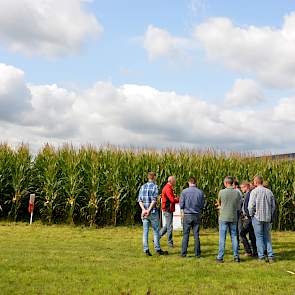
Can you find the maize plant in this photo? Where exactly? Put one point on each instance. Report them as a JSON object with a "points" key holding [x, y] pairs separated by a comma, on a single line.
{"points": [[6, 189], [71, 181], [92, 181], [100, 185], [46, 168], [20, 179], [115, 189]]}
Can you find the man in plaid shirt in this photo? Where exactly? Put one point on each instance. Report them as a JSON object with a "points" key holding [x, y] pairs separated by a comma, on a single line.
{"points": [[147, 200], [261, 209]]}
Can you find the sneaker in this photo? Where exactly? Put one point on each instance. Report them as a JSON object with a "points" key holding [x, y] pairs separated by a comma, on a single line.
{"points": [[148, 253], [161, 252], [237, 259], [219, 260]]}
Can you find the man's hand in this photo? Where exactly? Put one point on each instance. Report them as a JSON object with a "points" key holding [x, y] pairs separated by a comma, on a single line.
{"points": [[217, 204], [145, 213]]}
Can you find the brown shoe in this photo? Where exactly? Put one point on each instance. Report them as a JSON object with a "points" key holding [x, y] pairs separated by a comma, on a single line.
{"points": [[161, 252]]}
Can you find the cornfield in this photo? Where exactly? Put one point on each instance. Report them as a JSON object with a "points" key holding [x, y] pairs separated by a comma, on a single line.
{"points": [[99, 186]]}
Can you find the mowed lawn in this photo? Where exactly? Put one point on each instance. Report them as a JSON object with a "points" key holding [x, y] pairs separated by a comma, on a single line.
{"points": [[42, 259]]}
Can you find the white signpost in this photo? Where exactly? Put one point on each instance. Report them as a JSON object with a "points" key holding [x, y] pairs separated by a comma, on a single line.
{"points": [[177, 222], [31, 206]]}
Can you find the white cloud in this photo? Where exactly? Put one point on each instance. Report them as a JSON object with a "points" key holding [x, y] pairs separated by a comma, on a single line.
{"points": [[14, 94], [285, 110], [245, 92], [160, 43], [140, 115], [46, 27], [265, 52], [52, 111]]}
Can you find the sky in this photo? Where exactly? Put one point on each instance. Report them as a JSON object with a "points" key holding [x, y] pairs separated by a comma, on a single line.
{"points": [[180, 73]]}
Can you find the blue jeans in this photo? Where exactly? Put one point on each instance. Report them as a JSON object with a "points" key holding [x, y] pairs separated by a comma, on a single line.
{"points": [[223, 227], [263, 237], [154, 221], [168, 228]]}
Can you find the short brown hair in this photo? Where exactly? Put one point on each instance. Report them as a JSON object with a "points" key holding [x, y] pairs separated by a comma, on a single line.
{"points": [[192, 180], [259, 179], [229, 180], [151, 174]]}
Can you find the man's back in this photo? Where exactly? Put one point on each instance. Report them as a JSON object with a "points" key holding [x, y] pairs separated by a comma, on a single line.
{"points": [[148, 193], [229, 200], [168, 198], [192, 200], [262, 204]]}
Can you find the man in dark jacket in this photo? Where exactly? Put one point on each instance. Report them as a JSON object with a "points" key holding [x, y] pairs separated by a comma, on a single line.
{"points": [[192, 202], [168, 207], [245, 224]]}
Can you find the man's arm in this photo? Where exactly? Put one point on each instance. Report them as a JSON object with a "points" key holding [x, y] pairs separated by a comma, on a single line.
{"points": [[182, 201], [246, 203], [170, 195], [218, 202], [140, 202], [154, 201], [273, 207], [252, 204], [203, 201], [141, 206], [152, 205]]}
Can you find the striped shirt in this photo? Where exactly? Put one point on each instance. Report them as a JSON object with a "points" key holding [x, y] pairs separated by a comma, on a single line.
{"points": [[262, 204], [147, 194]]}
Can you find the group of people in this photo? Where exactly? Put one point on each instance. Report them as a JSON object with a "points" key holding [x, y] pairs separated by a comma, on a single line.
{"points": [[245, 210]]}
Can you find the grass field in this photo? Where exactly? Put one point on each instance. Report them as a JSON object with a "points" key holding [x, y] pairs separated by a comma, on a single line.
{"points": [[42, 259]]}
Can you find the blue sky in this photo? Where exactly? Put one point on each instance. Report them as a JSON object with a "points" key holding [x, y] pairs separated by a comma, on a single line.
{"points": [[118, 49], [121, 54]]}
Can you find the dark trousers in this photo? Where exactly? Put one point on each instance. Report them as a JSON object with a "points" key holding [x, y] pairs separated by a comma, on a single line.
{"points": [[191, 221], [246, 227]]}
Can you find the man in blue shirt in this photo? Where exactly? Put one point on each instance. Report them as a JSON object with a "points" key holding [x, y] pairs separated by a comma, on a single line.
{"points": [[147, 200], [192, 202]]}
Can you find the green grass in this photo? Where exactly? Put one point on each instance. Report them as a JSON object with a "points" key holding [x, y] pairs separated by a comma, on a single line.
{"points": [[42, 259]]}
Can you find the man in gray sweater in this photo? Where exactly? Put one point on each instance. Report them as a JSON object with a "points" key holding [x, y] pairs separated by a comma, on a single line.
{"points": [[192, 202]]}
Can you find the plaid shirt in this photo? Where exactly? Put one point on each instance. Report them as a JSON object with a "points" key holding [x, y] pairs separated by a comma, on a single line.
{"points": [[147, 194], [262, 204]]}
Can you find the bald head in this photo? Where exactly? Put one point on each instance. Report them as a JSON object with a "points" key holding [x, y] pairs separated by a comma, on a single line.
{"points": [[172, 180]]}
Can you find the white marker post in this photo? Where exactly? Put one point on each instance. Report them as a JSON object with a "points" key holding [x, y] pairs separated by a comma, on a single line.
{"points": [[31, 206]]}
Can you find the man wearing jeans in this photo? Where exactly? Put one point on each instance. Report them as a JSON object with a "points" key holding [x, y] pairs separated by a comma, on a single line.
{"points": [[147, 200], [168, 207], [261, 208], [228, 203], [245, 224], [192, 202]]}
